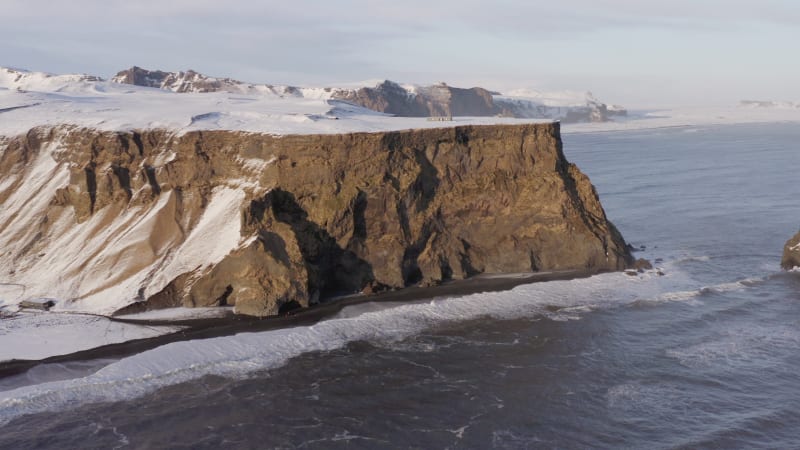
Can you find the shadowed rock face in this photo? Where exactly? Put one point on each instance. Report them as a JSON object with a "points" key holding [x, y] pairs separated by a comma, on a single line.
{"points": [[791, 253], [313, 216]]}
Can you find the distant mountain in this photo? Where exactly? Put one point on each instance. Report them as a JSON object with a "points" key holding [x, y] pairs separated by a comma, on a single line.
{"points": [[768, 104], [191, 81], [439, 100], [24, 80]]}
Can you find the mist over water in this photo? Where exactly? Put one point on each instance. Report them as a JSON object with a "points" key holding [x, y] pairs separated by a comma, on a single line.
{"points": [[704, 356]]}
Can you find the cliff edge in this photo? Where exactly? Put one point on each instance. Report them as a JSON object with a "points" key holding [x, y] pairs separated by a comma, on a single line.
{"points": [[791, 253], [103, 220]]}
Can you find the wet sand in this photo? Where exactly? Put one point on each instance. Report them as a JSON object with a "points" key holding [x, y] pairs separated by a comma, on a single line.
{"points": [[225, 326]]}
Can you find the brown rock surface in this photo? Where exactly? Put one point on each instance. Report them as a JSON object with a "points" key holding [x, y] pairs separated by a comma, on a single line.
{"points": [[318, 215], [791, 253]]}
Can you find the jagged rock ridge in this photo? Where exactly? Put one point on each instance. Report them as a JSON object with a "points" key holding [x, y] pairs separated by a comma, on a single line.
{"points": [[106, 219]]}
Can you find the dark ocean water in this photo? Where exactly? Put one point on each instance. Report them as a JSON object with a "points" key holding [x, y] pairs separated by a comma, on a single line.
{"points": [[706, 356]]}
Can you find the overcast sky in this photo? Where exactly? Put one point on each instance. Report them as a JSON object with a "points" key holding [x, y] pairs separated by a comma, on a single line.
{"points": [[632, 52]]}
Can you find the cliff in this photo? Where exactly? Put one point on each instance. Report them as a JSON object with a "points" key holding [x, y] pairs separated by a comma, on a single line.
{"points": [[791, 253], [107, 219]]}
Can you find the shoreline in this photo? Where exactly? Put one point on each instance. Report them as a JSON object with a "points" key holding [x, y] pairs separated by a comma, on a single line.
{"points": [[206, 328]]}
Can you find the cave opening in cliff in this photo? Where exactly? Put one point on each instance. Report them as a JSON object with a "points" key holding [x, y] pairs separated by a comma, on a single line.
{"points": [[223, 299], [289, 307]]}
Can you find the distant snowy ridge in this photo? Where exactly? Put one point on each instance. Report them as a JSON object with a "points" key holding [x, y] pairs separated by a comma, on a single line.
{"points": [[185, 101], [24, 80], [403, 100], [193, 82], [30, 99]]}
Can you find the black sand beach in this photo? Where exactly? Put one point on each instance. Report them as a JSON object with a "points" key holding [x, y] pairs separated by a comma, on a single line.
{"points": [[206, 328]]}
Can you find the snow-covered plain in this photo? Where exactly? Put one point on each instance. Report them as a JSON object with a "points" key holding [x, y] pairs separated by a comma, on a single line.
{"points": [[38, 99], [29, 99]]}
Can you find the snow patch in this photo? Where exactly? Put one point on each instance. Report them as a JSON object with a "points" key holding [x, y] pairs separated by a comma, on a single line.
{"points": [[41, 335], [214, 237]]}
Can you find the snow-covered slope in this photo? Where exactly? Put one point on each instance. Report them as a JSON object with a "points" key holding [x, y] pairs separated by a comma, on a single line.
{"points": [[24, 80]]}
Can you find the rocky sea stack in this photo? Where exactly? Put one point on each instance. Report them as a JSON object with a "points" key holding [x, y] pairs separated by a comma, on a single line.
{"points": [[791, 253], [153, 218]]}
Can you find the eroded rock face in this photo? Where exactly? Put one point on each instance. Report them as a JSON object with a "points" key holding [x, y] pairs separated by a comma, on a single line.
{"points": [[791, 253], [264, 222]]}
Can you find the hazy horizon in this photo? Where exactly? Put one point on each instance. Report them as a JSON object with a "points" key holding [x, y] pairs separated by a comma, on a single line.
{"points": [[624, 51]]}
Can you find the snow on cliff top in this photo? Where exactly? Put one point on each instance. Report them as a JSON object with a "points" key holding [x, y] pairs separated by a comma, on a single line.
{"points": [[29, 99]]}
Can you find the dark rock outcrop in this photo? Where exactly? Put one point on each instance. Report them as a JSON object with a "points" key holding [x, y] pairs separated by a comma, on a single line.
{"points": [[318, 215], [791, 253]]}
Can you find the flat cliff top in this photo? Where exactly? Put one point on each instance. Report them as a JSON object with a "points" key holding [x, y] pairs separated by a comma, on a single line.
{"points": [[107, 106]]}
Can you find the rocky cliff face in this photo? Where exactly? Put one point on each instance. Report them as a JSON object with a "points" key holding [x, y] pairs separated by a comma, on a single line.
{"points": [[106, 219], [791, 253]]}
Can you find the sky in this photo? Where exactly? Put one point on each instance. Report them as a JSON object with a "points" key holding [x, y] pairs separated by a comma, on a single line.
{"points": [[637, 53]]}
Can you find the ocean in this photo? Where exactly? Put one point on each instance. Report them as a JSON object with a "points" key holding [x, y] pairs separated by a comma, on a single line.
{"points": [[704, 354]]}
